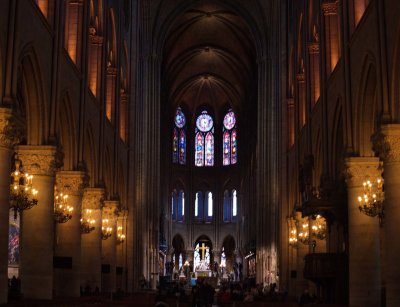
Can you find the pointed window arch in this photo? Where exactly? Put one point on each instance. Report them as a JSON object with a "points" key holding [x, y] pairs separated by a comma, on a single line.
{"points": [[198, 206], [179, 138], [174, 205], [229, 139], [209, 207], [204, 140], [230, 206]]}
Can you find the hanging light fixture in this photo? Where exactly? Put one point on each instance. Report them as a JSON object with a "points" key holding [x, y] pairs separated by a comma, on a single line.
{"points": [[304, 236], [292, 232], [120, 235], [62, 211], [371, 203], [319, 228], [106, 230], [22, 194], [87, 223]]}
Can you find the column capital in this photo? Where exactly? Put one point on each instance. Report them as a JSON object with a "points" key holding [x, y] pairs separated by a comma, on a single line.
{"points": [[111, 209], [300, 77], [95, 39], [39, 160], [313, 48], [93, 198], [10, 129], [387, 143], [72, 182], [329, 8], [360, 168], [112, 71]]}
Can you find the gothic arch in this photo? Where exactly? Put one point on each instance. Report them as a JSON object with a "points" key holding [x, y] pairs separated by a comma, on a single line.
{"points": [[394, 106], [112, 39], [337, 141], [121, 184], [66, 131], [35, 103], [107, 172], [367, 108], [229, 241], [89, 155]]}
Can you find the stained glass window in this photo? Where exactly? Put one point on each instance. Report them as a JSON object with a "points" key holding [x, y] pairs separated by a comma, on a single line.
{"points": [[181, 206], [198, 206], [209, 208], [204, 140], [174, 205], [179, 138], [229, 139], [230, 206]]}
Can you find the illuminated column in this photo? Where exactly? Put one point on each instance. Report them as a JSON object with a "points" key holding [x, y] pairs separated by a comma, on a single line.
{"points": [[37, 224], [313, 51], [364, 248], [121, 250], [91, 242], [301, 98], [94, 61], [109, 246], [110, 93], [390, 151], [68, 241], [7, 140], [123, 116], [332, 47]]}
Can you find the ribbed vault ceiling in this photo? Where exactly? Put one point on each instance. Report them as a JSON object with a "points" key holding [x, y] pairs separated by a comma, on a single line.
{"points": [[209, 59]]}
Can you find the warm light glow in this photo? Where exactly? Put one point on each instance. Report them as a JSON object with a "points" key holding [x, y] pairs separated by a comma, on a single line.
{"points": [[371, 202]]}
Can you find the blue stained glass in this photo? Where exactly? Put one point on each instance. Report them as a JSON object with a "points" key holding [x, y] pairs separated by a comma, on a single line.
{"points": [[209, 149], [199, 146], [226, 148], [182, 147], [204, 122], [180, 119], [175, 146], [234, 147], [229, 120]]}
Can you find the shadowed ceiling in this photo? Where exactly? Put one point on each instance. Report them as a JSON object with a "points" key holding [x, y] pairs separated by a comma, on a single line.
{"points": [[209, 59]]}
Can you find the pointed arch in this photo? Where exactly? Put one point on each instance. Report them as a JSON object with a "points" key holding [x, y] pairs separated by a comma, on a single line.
{"points": [[89, 155], [107, 172], [66, 131], [367, 108], [34, 102]]}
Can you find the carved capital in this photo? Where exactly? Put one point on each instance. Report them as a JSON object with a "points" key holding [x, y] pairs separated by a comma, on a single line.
{"points": [[71, 182], [358, 169], [110, 209], [93, 198], [112, 71], [387, 143], [300, 77], [95, 39], [329, 8], [10, 129], [39, 160], [313, 48]]}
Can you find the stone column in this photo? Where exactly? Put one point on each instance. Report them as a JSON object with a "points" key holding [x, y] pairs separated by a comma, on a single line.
{"points": [[68, 236], [109, 248], [121, 252], [8, 137], [389, 147], [364, 249], [91, 242], [37, 224]]}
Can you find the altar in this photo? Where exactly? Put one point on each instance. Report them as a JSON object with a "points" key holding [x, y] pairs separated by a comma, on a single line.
{"points": [[202, 270]]}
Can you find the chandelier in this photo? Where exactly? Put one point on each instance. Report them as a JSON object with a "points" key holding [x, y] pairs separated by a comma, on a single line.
{"points": [[106, 230], [62, 211], [371, 203], [292, 232], [319, 228], [303, 236], [22, 194], [120, 236], [87, 223]]}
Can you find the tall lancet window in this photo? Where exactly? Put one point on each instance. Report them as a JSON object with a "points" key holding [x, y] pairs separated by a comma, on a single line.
{"points": [[209, 207], [179, 138], [229, 139], [204, 140]]}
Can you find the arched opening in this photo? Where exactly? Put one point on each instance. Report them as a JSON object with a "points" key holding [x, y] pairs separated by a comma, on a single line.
{"points": [[203, 258], [178, 255], [228, 254]]}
